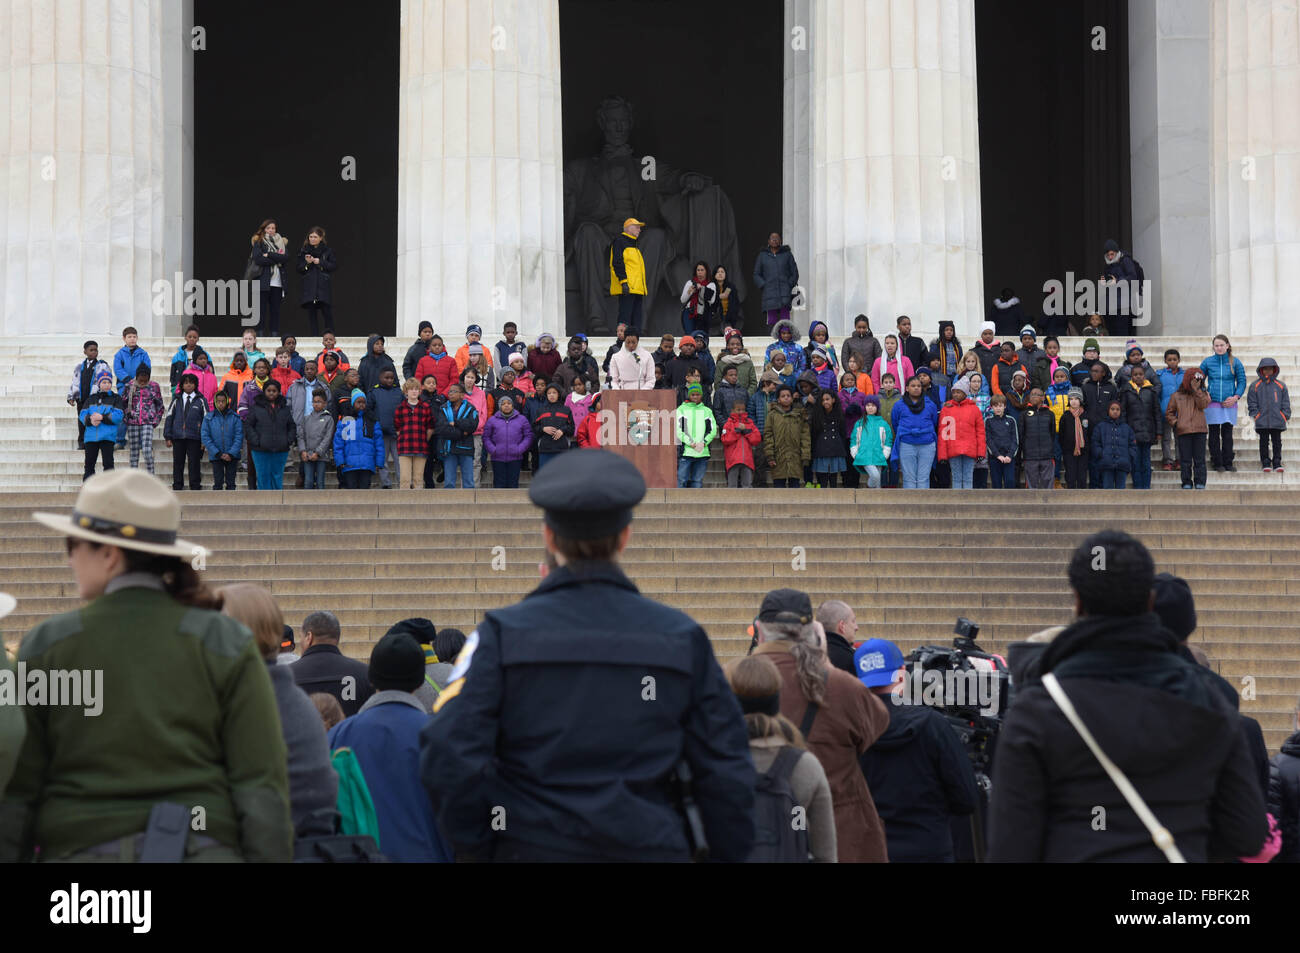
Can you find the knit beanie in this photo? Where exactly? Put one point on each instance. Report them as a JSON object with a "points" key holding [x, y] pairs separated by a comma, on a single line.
{"points": [[356, 395], [518, 355], [422, 629], [1092, 345], [694, 390], [473, 329], [1074, 392], [1029, 329], [397, 663], [962, 385], [1111, 245], [1130, 346], [1175, 605], [988, 326], [423, 325]]}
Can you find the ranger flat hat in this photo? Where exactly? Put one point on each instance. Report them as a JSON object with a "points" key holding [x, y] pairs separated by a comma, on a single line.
{"points": [[587, 493], [127, 508]]}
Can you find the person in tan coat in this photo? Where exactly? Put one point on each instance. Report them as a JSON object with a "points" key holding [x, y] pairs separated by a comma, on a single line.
{"points": [[837, 715], [1186, 414]]}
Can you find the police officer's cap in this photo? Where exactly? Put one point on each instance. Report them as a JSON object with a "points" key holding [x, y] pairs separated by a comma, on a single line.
{"points": [[786, 605], [587, 494]]}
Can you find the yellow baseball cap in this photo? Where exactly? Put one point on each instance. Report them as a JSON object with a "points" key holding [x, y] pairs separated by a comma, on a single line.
{"points": [[632, 221]]}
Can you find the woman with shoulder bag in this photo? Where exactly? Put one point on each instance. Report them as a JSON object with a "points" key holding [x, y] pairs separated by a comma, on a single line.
{"points": [[269, 254]]}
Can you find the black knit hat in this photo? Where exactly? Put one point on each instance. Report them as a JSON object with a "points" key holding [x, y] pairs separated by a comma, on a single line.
{"points": [[423, 325], [422, 629], [397, 663], [1175, 605]]}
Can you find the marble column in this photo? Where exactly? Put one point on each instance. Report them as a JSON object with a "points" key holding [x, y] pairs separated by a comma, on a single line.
{"points": [[82, 159], [178, 149], [480, 207], [1170, 137], [1255, 101], [895, 188]]}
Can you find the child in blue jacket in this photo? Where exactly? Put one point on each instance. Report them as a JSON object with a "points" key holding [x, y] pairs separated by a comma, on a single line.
{"points": [[126, 362], [1113, 445], [358, 445], [102, 417], [223, 438]]}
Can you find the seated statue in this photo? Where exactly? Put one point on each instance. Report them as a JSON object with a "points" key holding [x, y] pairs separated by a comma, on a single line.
{"points": [[687, 217]]}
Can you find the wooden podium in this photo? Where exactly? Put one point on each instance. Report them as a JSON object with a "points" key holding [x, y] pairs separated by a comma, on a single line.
{"points": [[640, 426]]}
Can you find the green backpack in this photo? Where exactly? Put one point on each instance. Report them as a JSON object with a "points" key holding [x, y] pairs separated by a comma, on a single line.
{"points": [[356, 809]]}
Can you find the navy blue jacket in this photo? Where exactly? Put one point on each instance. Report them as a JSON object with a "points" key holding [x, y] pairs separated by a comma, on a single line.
{"points": [[1001, 436], [222, 433], [920, 778], [188, 425], [1038, 433], [1112, 442], [385, 400], [548, 716]]}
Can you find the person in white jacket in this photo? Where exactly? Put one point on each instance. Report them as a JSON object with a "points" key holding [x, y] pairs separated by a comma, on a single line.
{"points": [[632, 368]]}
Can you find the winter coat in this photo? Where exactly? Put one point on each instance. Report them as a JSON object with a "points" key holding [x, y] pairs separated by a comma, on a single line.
{"points": [[320, 361], [880, 367], [372, 365], [299, 394], [695, 424], [1125, 374], [724, 396], [284, 376], [1037, 428], [180, 361], [632, 370], [414, 354], [1112, 444], [313, 783], [1163, 722], [775, 275], [144, 406], [454, 428], [385, 736], [854, 404], [1224, 377], [1169, 381], [507, 439], [675, 372], [1268, 402], [585, 367], [1008, 316], [129, 360], [739, 447], [358, 445], [186, 425], [1035, 361], [316, 279], [871, 441], [1141, 411], [269, 260], [501, 352], [913, 348], [382, 401], [1186, 412], [316, 434], [756, 407], [1065, 435], [787, 440], [222, 432], [1003, 372], [917, 426], [726, 313], [936, 350], [83, 379], [1082, 372], [588, 432], [830, 435], [626, 264], [1001, 436], [232, 382], [1284, 798], [411, 426], [1097, 397], [544, 364], [1123, 268], [443, 368], [848, 722], [249, 394], [207, 379], [965, 423], [988, 355], [746, 375], [888, 400], [867, 348], [794, 354], [269, 426], [920, 778], [553, 415], [109, 405]]}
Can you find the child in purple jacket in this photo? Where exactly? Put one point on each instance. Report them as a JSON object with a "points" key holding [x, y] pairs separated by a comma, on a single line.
{"points": [[507, 436]]}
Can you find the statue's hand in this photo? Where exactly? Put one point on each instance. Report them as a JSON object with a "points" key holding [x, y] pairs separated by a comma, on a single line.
{"points": [[694, 182]]}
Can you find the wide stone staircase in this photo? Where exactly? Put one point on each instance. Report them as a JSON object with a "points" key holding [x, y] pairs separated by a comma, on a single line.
{"points": [[38, 440], [909, 564]]}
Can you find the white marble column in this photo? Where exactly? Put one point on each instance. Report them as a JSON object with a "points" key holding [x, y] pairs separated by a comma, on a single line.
{"points": [[1256, 165], [178, 149], [81, 159], [895, 200], [1170, 135], [480, 231]]}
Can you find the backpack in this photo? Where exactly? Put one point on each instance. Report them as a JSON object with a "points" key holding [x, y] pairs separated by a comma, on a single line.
{"points": [[776, 840]]}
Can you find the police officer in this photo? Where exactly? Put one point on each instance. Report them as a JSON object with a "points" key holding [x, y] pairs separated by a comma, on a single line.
{"points": [[566, 718]]}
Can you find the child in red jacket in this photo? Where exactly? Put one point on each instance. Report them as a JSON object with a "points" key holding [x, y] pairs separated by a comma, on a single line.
{"points": [[739, 438], [961, 436], [589, 429]]}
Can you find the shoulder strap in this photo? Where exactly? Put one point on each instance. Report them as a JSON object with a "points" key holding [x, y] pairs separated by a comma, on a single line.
{"points": [[783, 767], [1159, 834], [810, 715]]}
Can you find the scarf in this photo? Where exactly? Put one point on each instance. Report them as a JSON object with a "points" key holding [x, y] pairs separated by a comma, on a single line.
{"points": [[1078, 430], [695, 305], [914, 406], [272, 246]]}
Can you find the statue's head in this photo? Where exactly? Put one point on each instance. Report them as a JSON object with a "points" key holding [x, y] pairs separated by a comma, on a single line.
{"points": [[615, 118]]}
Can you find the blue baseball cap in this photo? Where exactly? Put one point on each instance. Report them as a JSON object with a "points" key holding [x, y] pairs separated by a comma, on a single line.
{"points": [[876, 661]]}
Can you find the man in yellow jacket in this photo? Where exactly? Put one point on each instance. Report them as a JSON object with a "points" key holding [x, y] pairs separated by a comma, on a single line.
{"points": [[627, 275]]}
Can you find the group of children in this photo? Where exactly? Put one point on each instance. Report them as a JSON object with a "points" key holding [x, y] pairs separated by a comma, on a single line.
{"points": [[994, 415]]}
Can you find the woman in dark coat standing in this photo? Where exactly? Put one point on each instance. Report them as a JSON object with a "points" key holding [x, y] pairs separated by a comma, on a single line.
{"points": [[316, 264], [776, 275], [269, 254]]}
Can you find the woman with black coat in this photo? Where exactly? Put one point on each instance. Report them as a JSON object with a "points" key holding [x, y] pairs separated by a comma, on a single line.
{"points": [[830, 439], [270, 431], [316, 264], [724, 310], [269, 254]]}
